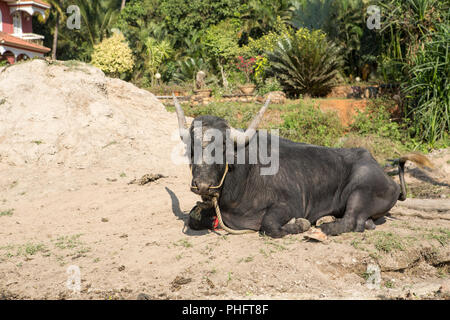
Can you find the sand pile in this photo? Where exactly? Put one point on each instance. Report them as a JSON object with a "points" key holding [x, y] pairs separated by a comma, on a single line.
{"points": [[71, 114]]}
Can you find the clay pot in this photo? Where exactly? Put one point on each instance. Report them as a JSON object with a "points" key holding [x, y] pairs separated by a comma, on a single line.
{"points": [[203, 92], [247, 89]]}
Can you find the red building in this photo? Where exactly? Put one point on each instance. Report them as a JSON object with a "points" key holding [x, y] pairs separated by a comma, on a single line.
{"points": [[17, 40]]}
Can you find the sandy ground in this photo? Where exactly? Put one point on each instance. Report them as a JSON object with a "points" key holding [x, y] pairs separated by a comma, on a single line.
{"points": [[65, 202], [129, 239]]}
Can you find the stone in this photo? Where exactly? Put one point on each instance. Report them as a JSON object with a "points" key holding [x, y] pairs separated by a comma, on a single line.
{"points": [[276, 97]]}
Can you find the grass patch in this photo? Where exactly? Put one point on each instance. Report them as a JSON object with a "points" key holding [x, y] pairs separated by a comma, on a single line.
{"points": [[68, 242], [109, 144], [7, 213], [441, 235], [30, 249], [247, 259], [387, 241], [377, 242], [310, 125], [183, 243]]}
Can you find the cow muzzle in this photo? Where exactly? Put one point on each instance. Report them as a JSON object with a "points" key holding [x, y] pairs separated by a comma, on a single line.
{"points": [[201, 188], [206, 189]]}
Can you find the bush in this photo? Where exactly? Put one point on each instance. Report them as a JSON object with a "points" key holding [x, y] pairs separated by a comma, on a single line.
{"points": [[374, 130], [113, 56], [269, 85], [376, 120], [187, 69], [305, 63]]}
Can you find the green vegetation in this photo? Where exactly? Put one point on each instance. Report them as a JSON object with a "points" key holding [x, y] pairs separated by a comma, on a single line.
{"points": [[68, 242], [310, 125], [305, 63], [303, 122], [441, 235], [303, 47], [30, 249], [7, 213], [113, 56], [183, 243], [387, 241], [389, 284]]}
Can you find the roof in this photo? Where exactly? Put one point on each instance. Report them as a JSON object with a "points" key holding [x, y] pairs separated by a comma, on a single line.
{"points": [[42, 2], [38, 2], [12, 41]]}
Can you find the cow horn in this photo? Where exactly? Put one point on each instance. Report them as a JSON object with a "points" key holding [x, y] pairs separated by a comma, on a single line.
{"points": [[181, 118], [244, 137]]}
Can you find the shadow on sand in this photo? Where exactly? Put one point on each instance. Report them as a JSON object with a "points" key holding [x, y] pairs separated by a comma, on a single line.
{"points": [[183, 216]]}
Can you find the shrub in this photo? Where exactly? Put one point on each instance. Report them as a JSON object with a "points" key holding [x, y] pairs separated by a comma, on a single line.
{"points": [[113, 56], [187, 69], [269, 85], [376, 119], [305, 63], [221, 41]]}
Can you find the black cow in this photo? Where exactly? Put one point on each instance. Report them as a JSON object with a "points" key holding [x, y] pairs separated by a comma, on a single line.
{"points": [[312, 182]]}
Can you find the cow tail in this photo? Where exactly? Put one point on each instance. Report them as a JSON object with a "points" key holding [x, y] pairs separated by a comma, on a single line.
{"points": [[418, 159]]}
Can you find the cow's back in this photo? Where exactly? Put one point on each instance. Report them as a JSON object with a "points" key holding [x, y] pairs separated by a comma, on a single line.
{"points": [[314, 179]]}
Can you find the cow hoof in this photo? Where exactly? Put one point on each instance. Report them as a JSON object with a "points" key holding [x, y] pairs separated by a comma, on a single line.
{"points": [[298, 225], [326, 219], [303, 224], [370, 225]]}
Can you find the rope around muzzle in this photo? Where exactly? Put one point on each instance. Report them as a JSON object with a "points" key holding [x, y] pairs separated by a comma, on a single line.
{"points": [[217, 208]]}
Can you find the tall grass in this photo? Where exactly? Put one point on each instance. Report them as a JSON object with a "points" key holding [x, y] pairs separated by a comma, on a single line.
{"points": [[428, 88]]}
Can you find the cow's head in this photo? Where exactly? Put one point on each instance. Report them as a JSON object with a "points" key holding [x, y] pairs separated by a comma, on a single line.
{"points": [[207, 136]]}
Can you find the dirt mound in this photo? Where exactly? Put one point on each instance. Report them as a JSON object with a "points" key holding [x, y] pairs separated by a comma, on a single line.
{"points": [[71, 114]]}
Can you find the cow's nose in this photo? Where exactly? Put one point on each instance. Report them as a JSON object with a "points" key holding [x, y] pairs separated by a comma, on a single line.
{"points": [[202, 187]]}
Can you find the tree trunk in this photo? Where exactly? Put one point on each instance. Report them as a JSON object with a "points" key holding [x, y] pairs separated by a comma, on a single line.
{"points": [[224, 78], [123, 5], [55, 37]]}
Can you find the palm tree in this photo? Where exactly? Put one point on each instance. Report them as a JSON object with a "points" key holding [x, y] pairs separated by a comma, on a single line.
{"points": [[98, 17], [263, 15], [122, 6], [58, 6]]}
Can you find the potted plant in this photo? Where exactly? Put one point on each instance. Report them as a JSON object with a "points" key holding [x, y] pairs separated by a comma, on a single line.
{"points": [[246, 66], [200, 85]]}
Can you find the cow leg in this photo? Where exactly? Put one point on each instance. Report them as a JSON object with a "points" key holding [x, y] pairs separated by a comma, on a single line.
{"points": [[355, 215], [276, 223], [362, 205]]}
